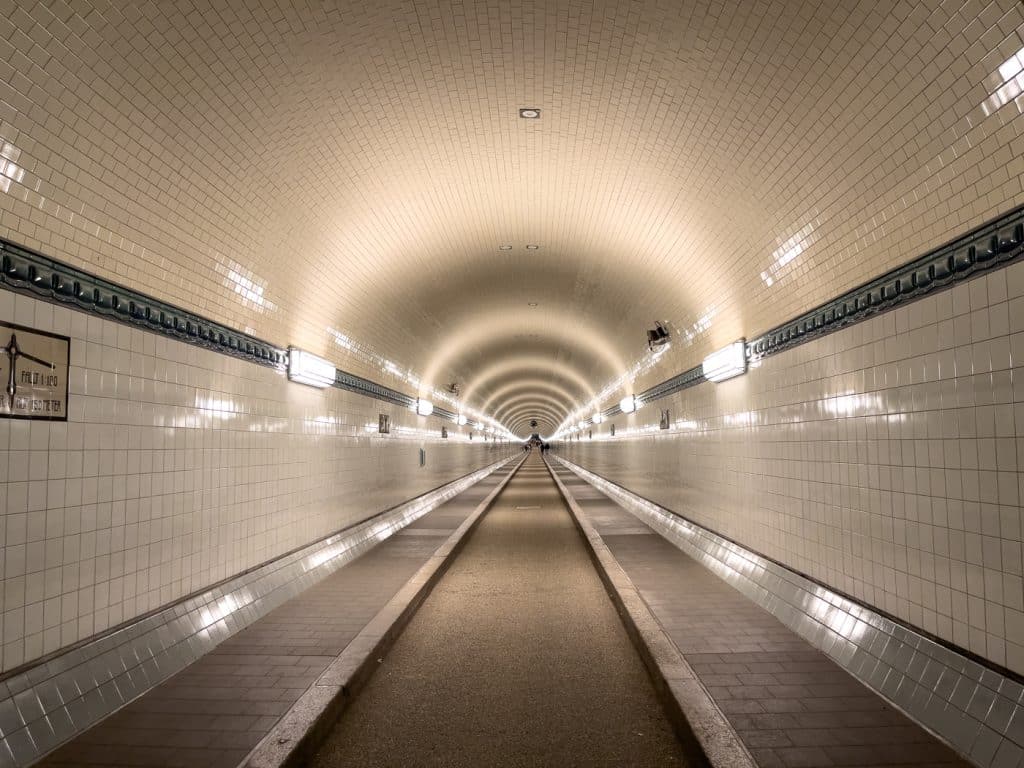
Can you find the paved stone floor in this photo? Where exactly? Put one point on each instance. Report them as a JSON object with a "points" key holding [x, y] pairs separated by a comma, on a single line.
{"points": [[212, 713], [789, 703], [517, 658]]}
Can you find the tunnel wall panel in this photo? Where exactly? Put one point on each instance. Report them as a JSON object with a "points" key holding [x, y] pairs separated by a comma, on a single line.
{"points": [[885, 460], [179, 467]]}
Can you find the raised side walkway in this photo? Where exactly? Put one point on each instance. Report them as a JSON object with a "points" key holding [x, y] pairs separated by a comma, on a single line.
{"points": [[212, 713], [789, 704]]}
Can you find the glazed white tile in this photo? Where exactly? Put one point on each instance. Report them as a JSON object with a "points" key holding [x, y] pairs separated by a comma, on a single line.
{"points": [[884, 460], [179, 467], [304, 168], [49, 703], [970, 706]]}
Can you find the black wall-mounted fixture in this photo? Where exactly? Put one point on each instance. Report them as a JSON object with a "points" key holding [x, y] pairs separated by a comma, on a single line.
{"points": [[657, 336]]}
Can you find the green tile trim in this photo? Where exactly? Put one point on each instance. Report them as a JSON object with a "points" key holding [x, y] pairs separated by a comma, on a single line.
{"points": [[990, 246], [28, 272]]}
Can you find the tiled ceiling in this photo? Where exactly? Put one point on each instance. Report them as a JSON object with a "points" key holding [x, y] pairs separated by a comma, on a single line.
{"points": [[320, 171]]}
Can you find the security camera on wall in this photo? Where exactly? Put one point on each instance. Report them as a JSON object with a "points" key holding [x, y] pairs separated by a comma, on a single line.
{"points": [[657, 336]]}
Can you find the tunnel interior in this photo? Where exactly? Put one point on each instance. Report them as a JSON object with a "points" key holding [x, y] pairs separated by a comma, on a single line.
{"points": [[281, 281]]}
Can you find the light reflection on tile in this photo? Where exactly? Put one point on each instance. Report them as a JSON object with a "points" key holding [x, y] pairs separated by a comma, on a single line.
{"points": [[54, 701], [971, 707], [884, 460]]}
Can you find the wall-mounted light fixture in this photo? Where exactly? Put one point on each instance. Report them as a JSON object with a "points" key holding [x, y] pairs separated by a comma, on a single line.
{"points": [[306, 368], [462, 420], [424, 407], [597, 418], [727, 362], [628, 404]]}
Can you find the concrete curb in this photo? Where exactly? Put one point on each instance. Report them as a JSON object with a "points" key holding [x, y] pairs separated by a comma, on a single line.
{"points": [[299, 733], [706, 735]]}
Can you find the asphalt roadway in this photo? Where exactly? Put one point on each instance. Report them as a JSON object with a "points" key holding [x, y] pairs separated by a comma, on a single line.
{"points": [[516, 658]]}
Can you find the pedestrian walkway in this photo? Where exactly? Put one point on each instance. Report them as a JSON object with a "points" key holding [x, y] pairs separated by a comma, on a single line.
{"points": [[517, 658], [789, 703], [211, 714]]}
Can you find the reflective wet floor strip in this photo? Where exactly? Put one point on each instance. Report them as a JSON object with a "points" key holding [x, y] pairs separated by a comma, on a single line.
{"points": [[516, 658]]}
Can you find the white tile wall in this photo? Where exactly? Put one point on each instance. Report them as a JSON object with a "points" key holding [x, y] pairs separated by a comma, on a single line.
{"points": [[974, 709], [708, 164], [886, 460], [46, 704], [179, 467]]}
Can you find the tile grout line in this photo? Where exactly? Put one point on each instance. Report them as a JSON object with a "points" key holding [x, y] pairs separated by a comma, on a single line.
{"points": [[706, 734], [301, 730], [850, 634], [128, 663]]}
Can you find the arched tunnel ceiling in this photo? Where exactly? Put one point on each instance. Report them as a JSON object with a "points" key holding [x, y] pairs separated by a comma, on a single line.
{"points": [[313, 173]]}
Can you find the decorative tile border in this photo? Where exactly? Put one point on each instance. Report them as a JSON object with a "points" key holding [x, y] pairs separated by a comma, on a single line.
{"points": [[26, 271], [978, 711], [991, 245], [48, 704], [361, 386]]}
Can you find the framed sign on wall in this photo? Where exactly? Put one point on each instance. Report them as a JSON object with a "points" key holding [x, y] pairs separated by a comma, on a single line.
{"points": [[34, 371]]}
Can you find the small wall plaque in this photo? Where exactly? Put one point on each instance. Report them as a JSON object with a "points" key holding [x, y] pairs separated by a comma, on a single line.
{"points": [[423, 457], [613, 430], [665, 421], [384, 424], [34, 371], [444, 433]]}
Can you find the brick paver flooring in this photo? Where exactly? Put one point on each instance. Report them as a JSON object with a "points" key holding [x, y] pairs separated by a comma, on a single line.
{"points": [[789, 703], [212, 713]]}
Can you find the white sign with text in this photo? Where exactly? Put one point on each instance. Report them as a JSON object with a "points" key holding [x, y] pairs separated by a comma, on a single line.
{"points": [[34, 372]]}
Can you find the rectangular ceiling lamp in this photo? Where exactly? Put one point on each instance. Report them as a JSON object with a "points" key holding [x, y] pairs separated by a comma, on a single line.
{"points": [[727, 362], [306, 368]]}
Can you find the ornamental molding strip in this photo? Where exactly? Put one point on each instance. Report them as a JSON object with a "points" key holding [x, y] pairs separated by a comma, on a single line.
{"points": [[990, 246], [28, 272]]}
